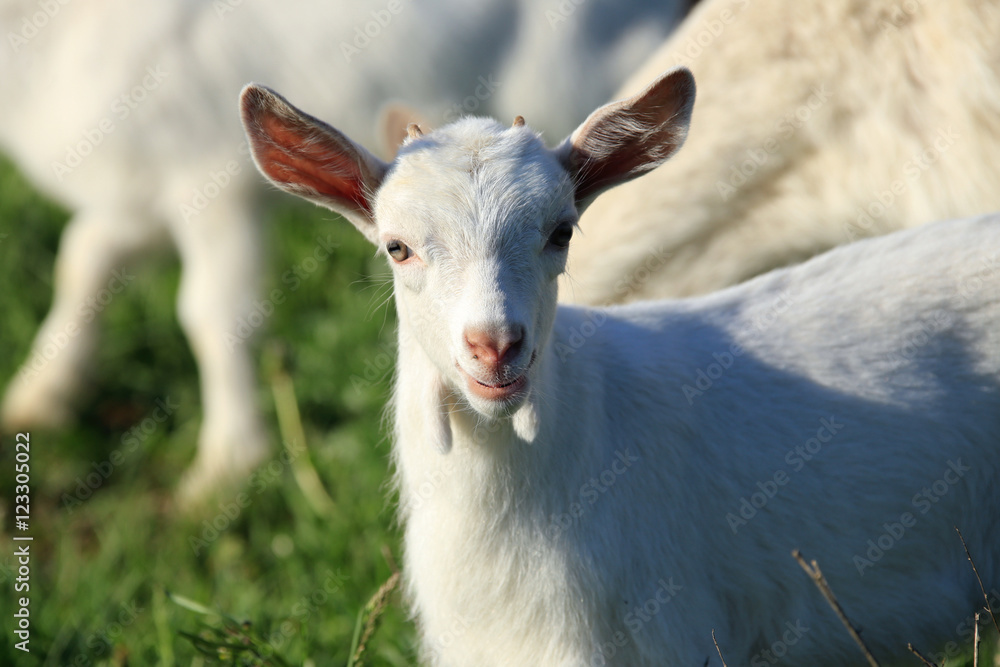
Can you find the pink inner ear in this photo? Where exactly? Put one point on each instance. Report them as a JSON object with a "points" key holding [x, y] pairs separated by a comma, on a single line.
{"points": [[609, 155], [300, 158], [628, 138]]}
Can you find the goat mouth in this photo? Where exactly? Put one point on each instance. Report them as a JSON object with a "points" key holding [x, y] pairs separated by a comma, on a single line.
{"points": [[500, 386], [501, 391]]}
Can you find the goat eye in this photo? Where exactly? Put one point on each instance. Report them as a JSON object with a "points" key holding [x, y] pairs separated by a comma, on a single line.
{"points": [[561, 235], [398, 250]]}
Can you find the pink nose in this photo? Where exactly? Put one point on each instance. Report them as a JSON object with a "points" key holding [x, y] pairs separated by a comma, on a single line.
{"points": [[494, 350]]}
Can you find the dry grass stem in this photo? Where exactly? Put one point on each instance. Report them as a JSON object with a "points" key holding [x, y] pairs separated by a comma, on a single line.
{"points": [[982, 588], [290, 425], [812, 569], [975, 643], [715, 641], [919, 655]]}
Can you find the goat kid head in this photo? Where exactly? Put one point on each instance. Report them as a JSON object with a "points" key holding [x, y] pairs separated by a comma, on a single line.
{"points": [[475, 218]]}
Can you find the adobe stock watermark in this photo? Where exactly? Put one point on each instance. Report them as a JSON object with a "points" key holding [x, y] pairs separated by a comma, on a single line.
{"points": [[230, 511], [915, 340], [923, 501], [43, 353], [565, 9], [969, 287], [202, 197], [34, 23], [456, 629], [121, 108], [635, 620], [778, 649], [103, 641], [377, 368], [709, 30], [484, 90], [223, 8], [786, 127], [705, 378], [913, 169], [580, 333], [130, 442], [431, 482], [899, 16], [796, 459], [303, 609], [590, 492], [641, 274], [370, 30], [216, 181], [966, 634], [261, 311]]}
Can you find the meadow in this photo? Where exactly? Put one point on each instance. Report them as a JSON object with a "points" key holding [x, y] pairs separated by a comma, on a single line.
{"points": [[112, 560]]}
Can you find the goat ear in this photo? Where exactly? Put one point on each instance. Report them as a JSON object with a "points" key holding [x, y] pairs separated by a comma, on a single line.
{"points": [[626, 139], [306, 157]]}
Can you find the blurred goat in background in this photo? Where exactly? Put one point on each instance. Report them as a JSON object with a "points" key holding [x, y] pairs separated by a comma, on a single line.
{"points": [[817, 123], [124, 112]]}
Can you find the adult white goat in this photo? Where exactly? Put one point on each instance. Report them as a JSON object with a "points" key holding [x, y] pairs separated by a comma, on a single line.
{"points": [[819, 122], [121, 111], [586, 487]]}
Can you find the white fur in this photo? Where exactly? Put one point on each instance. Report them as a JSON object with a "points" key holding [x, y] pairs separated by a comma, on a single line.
{"points": [[596, 518], [174, 137], [826, 106]]}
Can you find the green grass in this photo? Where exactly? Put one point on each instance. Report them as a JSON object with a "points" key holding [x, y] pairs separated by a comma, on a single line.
{"points": [[103, 562]]}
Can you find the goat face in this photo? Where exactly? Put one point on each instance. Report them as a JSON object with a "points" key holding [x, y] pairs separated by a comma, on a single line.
{"points": [[476, 220]]}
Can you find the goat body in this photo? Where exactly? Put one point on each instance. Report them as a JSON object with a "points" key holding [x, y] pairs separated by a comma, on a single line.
{"points": [[591, 487]]}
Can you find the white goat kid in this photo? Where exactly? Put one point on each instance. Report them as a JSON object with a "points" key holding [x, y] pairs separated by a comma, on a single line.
{"points": [[584, 487]]}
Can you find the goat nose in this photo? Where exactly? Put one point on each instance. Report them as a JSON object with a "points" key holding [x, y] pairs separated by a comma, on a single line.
{"points": [[493, 349]]}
